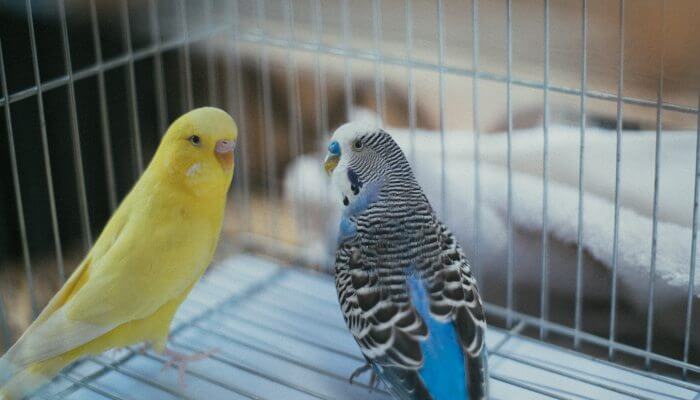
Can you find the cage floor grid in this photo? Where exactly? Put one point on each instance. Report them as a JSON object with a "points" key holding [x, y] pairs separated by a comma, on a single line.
{"points": [[278, 334]]}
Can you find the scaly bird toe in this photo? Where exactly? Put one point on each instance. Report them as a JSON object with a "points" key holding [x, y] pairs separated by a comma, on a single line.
{"points": [[373, 379], [180, 361]]}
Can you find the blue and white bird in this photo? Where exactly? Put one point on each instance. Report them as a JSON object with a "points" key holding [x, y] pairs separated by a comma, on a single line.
{"points": [[404, 285]]}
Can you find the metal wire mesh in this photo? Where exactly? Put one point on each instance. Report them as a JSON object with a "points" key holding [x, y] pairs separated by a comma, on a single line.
{"points": [[183, 54]]}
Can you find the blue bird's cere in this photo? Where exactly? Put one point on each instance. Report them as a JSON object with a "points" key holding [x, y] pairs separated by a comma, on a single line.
{"points": [[334, 148], [404, 285]]}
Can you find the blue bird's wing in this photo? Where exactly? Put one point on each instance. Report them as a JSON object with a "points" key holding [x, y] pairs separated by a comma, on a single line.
{"points": [[424, 336], [448, 299], [387, 329], [443, 370]]}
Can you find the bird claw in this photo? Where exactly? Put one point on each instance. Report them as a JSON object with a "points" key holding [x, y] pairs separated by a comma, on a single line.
{"points": [[114, 353], [141, 350], [373, 381], [181, 360], [144, 347]]}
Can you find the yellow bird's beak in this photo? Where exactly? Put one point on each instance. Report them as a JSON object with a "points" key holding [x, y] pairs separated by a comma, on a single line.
{"points": [[331, 162], [224, 153]]}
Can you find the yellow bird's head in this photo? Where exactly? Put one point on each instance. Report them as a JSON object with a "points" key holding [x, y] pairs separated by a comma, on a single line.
{"points": [[197, 151]]}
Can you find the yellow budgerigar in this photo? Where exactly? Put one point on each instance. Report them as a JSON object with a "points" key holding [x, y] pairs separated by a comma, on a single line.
{"points": [[146, 260]]}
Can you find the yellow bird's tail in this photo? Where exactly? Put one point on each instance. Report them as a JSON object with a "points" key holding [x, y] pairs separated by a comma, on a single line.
{"points": [[15, 386]]}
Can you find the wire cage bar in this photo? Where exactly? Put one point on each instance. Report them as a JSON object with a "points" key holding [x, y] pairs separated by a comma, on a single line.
{"points": [[290, 71]]}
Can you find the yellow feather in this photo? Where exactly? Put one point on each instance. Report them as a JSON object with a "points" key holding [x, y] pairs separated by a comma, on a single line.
{"points": [[144, 263]]}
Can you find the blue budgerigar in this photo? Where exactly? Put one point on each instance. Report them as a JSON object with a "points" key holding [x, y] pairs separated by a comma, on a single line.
{"points": [[404, 284]]}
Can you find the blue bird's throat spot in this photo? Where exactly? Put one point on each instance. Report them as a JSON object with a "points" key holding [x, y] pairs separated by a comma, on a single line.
{"points": [[334, 148], [354, 179], [366, 196]]}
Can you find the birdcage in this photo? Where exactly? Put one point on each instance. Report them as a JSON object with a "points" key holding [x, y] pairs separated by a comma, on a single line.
{"points": [[558, 140]]}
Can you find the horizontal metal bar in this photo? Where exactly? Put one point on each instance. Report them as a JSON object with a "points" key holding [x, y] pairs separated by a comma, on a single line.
{"points": [[559, 370], [302, 339], [268, 246], [588, 337], [528, 386], [275, 354], [289, 383], [288, 334], [227, 386], [117, 366], [115, 62], [359, 54], [265, 302], [515, 330], [79, 383]]}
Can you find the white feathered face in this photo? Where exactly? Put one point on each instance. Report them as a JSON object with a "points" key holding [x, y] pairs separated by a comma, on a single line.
{"points": [[354, 159]]}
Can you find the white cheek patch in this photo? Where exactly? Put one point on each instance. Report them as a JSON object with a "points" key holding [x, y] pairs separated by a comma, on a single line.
{"points": [[192, 171], [341, 182]]}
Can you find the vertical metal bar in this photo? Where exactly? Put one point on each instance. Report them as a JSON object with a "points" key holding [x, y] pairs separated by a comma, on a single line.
{"points": [[657, 165], [211, 67], [186, 59], [347, 39], [131, 89], [317, 73], [378, 67], [693, 251], [241, 117], [544, 281], [104, 113], [268, 126], [408, 16], [441, 79], [75, 132], [578, 313], [510, 295], [318, 27], [45, 150], [477, 137], [158, 68], [298, 112], [159, 80], [616, 228], [293, 99], [5, 329], [229, 98], [18, 195]]}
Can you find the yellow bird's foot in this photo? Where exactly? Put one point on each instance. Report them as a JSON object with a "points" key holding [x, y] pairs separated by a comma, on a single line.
{"points": [[181, 360], [115, 352], [144, 347]]}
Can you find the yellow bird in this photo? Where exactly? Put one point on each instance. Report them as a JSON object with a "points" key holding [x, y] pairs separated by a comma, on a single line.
{"points": [[145, 262]]}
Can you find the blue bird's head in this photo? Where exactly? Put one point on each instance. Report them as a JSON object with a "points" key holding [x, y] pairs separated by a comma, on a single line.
{"points": [[361, 157]]}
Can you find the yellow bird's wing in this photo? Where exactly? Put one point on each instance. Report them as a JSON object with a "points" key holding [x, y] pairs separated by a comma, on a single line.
{"points": [[77, 279], [128, 276]]}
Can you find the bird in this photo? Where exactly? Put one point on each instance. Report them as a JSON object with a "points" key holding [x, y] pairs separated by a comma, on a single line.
{"points": [[404, 285], [149, 255]]}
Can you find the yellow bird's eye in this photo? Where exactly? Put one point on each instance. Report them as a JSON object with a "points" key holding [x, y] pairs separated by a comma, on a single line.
{"points": [[195, 140]]}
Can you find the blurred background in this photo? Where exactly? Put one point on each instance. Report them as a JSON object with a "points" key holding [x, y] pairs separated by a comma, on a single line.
{"points": [[569, 127]]}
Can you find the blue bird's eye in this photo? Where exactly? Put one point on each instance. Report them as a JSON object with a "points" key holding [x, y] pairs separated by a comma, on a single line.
{"points": [[334, 148]]}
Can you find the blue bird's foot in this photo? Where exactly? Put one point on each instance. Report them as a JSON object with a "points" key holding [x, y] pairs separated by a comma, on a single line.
{"points": [[373, 381]]}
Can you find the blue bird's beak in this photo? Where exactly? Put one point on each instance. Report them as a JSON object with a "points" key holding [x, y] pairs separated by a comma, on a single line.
{"points": [[333, 157], [330, 163]]}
